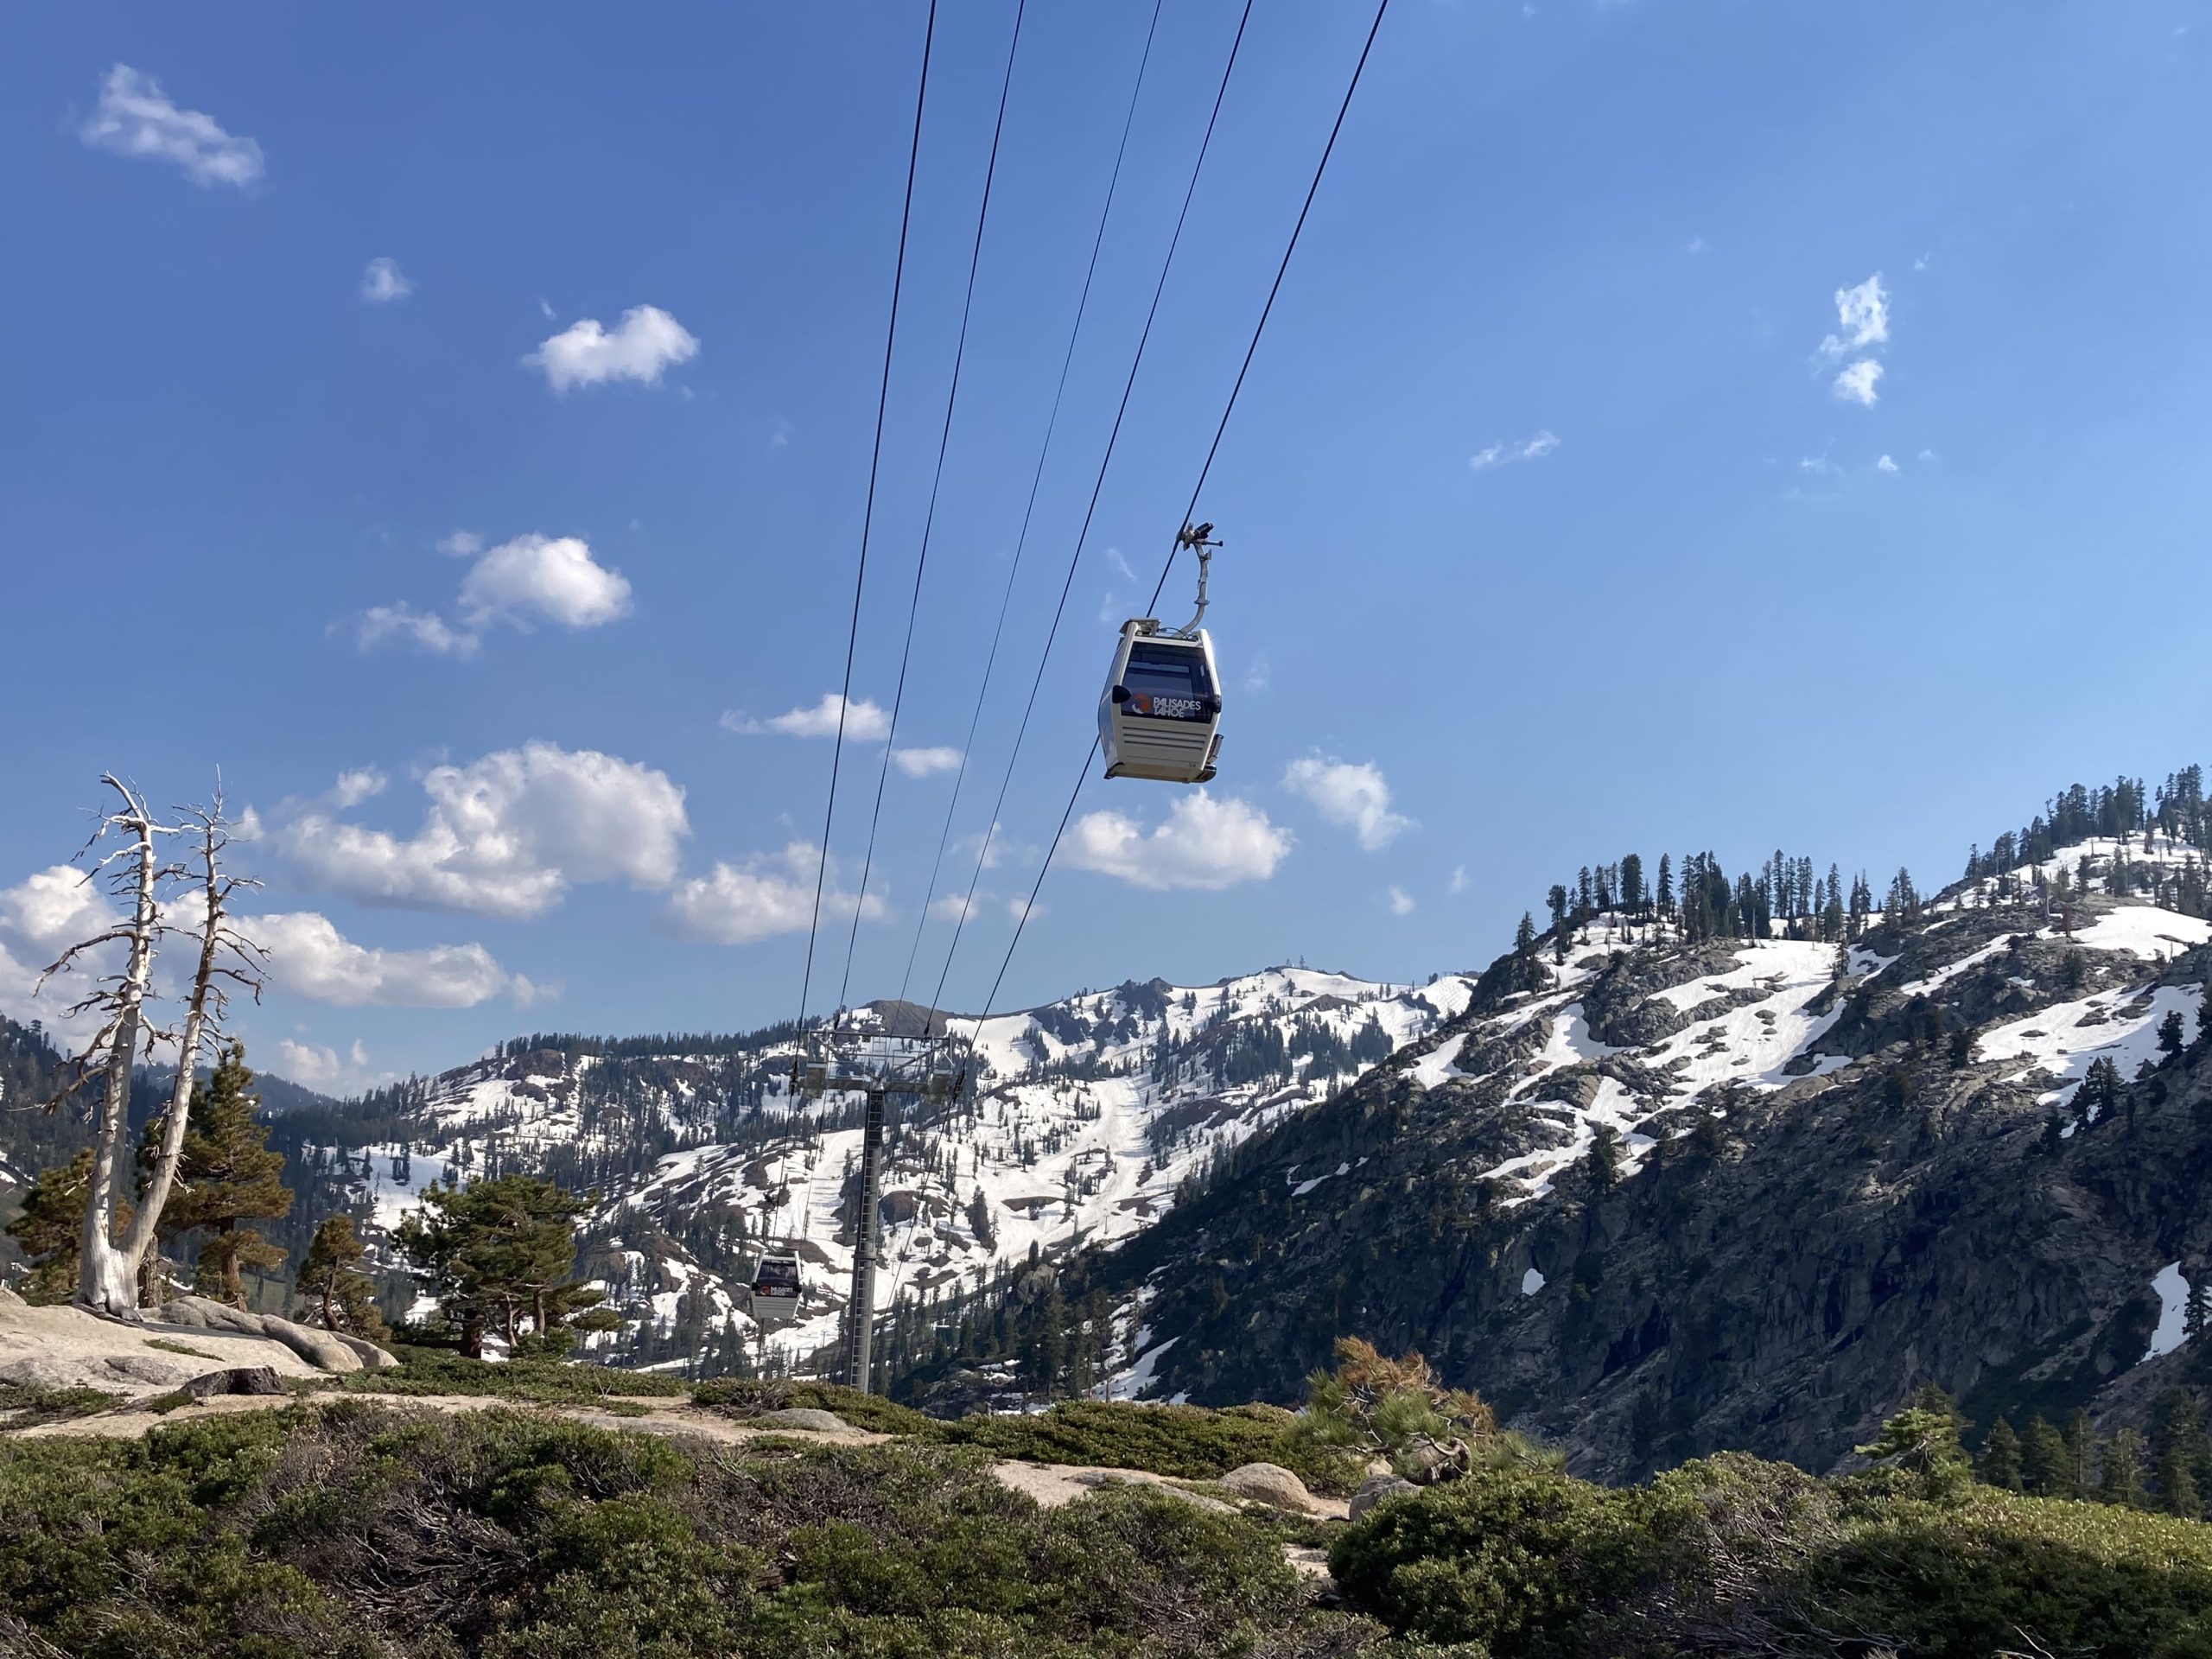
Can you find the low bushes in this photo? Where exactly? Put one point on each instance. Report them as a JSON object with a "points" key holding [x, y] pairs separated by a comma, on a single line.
{"points": [[1190, 1442], [742, 1398], [540, 1382], [1732, 1554], [349, 1529]]}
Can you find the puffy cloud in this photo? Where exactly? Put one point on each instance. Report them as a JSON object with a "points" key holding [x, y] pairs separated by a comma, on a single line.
{"points": [[1400, 902], [1354, 797], [321, 1068], [1885, 464], [1206, 842], [505, 835], [645, 344], [462, 545], [136, 118], [758, 898], [540, 578], [44, 914], [361, 784], [1855, 384], [383, 281], [1458, 883], [1503, 453], [310, 957], [920, 763], [865, 721], [425, 629], [531, 579], [1864, 313]]}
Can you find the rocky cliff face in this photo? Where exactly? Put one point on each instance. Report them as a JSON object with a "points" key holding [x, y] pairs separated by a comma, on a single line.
{"points": [[1743, 1194]]}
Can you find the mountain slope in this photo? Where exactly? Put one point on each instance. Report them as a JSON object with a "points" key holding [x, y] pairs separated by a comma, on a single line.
{"points": [[1088, 1115], [1741, 1193]]}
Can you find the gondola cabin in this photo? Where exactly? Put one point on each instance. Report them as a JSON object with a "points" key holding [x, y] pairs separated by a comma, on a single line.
{"points": [[774, 1295], [1159, 716]]}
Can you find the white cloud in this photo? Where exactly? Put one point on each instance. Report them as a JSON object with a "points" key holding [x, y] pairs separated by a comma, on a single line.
{"points": [[920, 763], [765, 895], [353, 787], [426, 629], [1927, 454], [506, 835], [646, 343], [993, 848], [383, 281], [1855, 383], [462, 545], [1505, 454], [1206, 842], [553, 579], [308, 957], [1820, 464], [311, 1067], [1885, 464], [1696, 246], [1258, 676], [1864, 311], [531, 579], [134, 118], [1459, 882], [1355, 798], [953, 906], [865, 721], [52, 910], [1401, 902], [1114, 555]]}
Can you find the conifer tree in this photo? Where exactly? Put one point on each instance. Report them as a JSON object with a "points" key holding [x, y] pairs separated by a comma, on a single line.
{"points": [[499, 1252], [2000, 1458], [46, 1231], [2121, 1479], [2170, 1033], [339, 1296], [2178, 1452], [2081, 1453], [227, 1174], [2045, 1464], [1604, 1158], [1666, 885]]}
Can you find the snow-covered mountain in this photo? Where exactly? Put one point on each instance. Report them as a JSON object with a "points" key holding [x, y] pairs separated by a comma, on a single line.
{"points": [[1648, 1185], [1086, 1117]]}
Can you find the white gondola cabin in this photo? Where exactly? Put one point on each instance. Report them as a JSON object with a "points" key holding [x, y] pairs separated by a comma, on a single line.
{"points": [[1159, 716], [773, 1295]]}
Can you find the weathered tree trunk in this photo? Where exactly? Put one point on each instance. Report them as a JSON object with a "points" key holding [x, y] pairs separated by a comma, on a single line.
{"points": [[107, 1275]]}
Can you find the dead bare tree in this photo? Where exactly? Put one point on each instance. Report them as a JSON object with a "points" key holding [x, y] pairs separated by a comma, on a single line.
{"points": [[106, 1278], [136, 874], [226, 958]]}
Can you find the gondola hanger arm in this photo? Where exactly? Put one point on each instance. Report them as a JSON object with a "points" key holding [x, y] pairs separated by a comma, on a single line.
{"points": [[1195, 536]]}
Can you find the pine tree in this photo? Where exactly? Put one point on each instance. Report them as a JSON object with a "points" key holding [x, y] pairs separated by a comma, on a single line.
{"points": [[1666, 885], [2170, 1033], [226, 1175], [2045, 1464], [499, 1252], [2000, 1458], [339, 1296], [2081, 1453], [2177, 1448], [46, 1231], [1604, 1159], [1526, 970], [2121, 1479]]}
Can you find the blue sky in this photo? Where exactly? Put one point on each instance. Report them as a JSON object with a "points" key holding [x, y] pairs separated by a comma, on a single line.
{"points": [[1558, 517]]}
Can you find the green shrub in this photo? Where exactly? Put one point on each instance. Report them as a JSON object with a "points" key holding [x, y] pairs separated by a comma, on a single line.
{"points": [[741, 1397], [24, 1407], [540, 1382], [1190, 1442]]}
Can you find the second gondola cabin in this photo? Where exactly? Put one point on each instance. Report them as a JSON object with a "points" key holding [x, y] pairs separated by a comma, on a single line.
{"points": [[1159, 716]]}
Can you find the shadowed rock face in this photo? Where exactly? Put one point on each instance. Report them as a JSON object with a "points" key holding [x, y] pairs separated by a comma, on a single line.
{"points": [[1803, 1229]]}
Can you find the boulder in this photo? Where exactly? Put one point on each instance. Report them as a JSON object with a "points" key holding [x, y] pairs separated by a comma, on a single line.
{"points": [[9, 1298], [236, 1379], [1374, 1489], [811, 1419], [1269, 1484], [327, 1350]]}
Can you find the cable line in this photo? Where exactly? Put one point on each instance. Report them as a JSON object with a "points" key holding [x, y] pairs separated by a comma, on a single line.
{"points": [[867, 519], [929, 518], [1098, 484], [1021, 541], [1212, 449]]}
